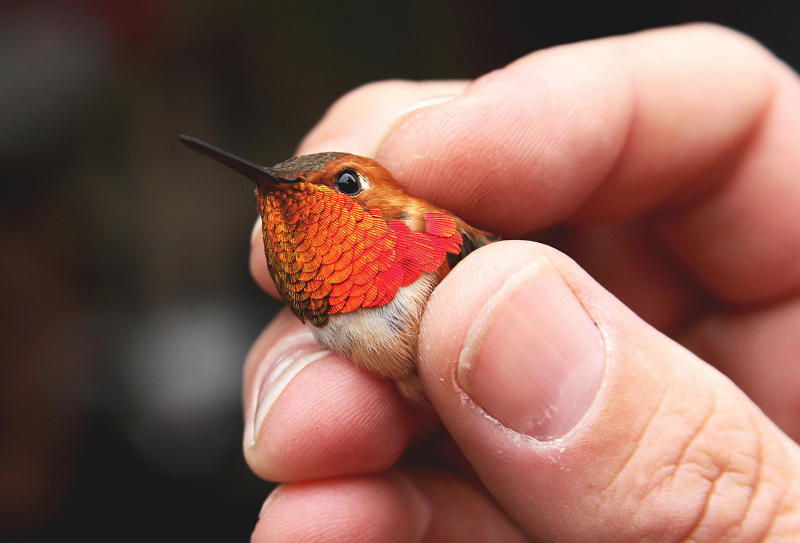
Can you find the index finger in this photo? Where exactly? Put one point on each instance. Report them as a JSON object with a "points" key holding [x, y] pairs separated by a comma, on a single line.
{"points": [[696, 126]]}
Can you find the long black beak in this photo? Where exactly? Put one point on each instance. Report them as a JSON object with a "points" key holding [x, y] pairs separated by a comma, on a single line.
{"points": [[258, 174]]}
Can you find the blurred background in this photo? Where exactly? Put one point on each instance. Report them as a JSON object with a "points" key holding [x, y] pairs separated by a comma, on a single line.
{"points": [[127, 304]]}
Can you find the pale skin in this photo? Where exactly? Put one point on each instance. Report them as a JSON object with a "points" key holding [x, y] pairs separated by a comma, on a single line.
{"points": [[671, 161]]}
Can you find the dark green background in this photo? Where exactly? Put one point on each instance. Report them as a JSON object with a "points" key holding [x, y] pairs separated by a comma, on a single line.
{"points": [[127, 303]]}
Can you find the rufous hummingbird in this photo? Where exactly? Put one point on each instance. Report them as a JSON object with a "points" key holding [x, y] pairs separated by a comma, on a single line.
{"points": [[353, 254]]}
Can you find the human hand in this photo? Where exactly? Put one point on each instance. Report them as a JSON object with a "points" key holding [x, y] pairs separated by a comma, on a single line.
{"points": [[669, 161]]}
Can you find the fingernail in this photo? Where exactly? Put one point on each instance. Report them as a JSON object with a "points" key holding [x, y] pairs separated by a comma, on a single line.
{"points": [[403, 113], [255, 233], [269, 500], [533, 358], [283, 362]]}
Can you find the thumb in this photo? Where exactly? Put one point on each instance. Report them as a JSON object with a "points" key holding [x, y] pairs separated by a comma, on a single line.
{"points": [[585, 423]]}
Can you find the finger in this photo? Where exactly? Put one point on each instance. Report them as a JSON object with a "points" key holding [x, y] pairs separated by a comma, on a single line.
{"points": [[587, 424], [410, 506], [355, 124], [311, 414]]}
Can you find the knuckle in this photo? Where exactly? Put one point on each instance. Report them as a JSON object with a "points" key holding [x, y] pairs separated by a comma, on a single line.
{"points": [[710, 481], [728, 39], [719, 468], [716, 29]]}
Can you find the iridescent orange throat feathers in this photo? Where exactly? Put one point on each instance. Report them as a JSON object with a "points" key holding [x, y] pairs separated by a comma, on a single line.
{"points": [[329, 255]]}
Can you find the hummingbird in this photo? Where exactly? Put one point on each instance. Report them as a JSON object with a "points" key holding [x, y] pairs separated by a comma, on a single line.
{"points": [[353, 254]]}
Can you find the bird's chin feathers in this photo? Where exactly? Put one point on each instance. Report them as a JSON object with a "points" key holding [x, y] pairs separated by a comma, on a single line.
{"points": [[382, 340]]}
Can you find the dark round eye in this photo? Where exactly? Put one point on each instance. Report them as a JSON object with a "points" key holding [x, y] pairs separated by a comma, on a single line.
{"points": [[348, 182]]}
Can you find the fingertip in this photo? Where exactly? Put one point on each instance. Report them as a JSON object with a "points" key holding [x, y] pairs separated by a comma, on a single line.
{"points": [[329, 419], [258, 263], [505, 329], [458, 300]]}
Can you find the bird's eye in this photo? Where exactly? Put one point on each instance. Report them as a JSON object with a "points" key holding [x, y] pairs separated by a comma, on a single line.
{"points": [[348, 182]]}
